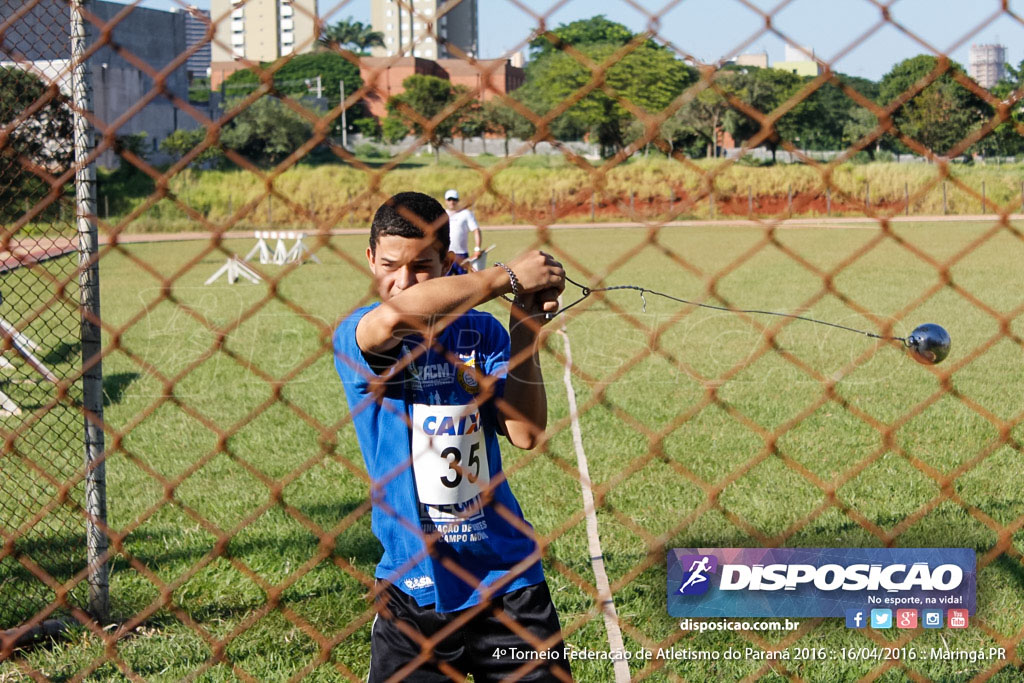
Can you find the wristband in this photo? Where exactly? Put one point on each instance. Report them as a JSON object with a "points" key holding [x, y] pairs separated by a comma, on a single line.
{"points": [[515, 285]]}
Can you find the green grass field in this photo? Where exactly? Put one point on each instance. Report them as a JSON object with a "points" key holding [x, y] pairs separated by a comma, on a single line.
{"points": [[901, 461]]}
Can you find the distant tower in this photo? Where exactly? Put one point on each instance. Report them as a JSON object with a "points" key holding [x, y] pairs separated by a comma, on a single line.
{"points": [[439, 29], [988, 64]]}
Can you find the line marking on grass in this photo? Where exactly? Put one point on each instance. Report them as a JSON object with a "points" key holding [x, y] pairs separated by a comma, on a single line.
{"points": [[604, 591]]}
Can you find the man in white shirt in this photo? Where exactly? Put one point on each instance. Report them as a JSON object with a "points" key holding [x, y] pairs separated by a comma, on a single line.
{"points": [[461, 223]]}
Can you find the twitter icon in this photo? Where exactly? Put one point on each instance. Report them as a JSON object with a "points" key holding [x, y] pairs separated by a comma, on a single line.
{"points": [[881, 618]]}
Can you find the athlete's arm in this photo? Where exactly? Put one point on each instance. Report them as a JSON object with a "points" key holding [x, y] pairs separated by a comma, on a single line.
{"points": [[524, 416], [434, 301]]}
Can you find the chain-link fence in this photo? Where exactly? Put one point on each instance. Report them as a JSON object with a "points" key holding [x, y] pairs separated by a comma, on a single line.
{"points": [[233, 209]]}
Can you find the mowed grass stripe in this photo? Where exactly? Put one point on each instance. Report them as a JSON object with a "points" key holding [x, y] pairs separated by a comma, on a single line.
{"points": [[640, 496]]}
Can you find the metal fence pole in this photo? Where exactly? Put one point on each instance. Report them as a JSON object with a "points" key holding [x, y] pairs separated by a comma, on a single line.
{"points": [[89, 286], [943, 198]]}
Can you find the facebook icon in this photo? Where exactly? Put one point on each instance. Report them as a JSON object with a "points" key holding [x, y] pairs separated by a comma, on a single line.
{"points": [[856, 618]]}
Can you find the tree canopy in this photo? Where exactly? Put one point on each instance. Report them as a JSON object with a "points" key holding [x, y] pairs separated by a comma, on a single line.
{"points": [[941, 114], [40, 144], [351, 34], [297, 77], [590, 31], [424, 98], [648, 78]]}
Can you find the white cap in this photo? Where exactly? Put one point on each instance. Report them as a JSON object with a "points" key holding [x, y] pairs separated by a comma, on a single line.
{"points": [[451, 194]]}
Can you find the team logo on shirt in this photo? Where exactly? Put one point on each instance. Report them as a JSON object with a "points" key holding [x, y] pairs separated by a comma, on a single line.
{"points": [[466, 373]]}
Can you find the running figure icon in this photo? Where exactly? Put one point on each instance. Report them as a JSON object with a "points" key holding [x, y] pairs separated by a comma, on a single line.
{"points": [[697, 570]]}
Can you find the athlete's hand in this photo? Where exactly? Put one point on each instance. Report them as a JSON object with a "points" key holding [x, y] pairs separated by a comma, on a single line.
{"points": [[538, 305], [537, 272]]}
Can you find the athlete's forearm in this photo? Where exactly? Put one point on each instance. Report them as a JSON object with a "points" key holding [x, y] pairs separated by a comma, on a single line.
{"points": [[526, 417], [428, 303]]}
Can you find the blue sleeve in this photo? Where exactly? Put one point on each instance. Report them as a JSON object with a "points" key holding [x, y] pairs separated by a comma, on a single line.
{"points": [[350, 363], [496, 354]]}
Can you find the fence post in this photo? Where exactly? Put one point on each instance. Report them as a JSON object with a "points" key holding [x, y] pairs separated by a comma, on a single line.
{"points": [[231, 209], [711, 204], [828, 201], [671, 203], [632, 206], [750, 201], [867, 196], [592, 207], [943, 197], [106, 206], [96, 541], [906, 199], [552, 204], [270, 213], [983, 196], [789, 200]]}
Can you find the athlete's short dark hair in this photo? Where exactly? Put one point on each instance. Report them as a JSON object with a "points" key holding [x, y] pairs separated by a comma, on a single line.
{"points": [[412, 215]]}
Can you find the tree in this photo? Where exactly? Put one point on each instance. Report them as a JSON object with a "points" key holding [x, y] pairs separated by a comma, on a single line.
{"points": [[425, 98], [473, 124], [703, 116], [181, 142], [39, 144], [1004, 139], [351, 34], [507, 121], [297, 78], [763, 90], [649, 77], [266, 131], [581, 32], [940, 115]]}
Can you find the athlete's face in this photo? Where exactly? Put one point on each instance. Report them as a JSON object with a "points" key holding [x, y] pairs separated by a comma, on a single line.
{"points": [[401, 262]]}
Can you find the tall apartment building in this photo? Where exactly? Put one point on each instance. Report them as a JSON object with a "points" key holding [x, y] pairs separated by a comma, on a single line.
{"points": [[435, 29], [987, 64], [196, 23], [259, 31]]}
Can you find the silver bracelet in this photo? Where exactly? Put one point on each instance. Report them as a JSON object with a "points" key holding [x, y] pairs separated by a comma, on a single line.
{"points": [[515, 285]]}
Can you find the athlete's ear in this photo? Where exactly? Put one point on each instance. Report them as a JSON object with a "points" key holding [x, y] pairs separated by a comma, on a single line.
{"points": [[369, 258], [447, 262]]}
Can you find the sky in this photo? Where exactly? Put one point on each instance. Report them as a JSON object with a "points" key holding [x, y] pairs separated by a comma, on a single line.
{"points": [[851, 35]]}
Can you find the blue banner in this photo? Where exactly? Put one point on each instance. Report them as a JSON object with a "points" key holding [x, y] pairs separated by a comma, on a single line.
{"points": [[818, 582]]}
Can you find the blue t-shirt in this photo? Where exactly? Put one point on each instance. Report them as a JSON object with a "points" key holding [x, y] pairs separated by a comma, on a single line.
{"points": [[431, 448]]}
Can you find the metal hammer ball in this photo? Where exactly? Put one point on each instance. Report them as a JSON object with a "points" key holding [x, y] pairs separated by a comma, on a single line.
{"points": [[928, 344]]}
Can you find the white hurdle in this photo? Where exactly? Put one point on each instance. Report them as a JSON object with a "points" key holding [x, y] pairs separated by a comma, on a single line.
{"points": [[261, 248], [299, 251], [234, 269], [280, 250]]}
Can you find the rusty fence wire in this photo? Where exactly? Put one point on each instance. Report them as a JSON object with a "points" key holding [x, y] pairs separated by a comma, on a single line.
{"points": [[239, 525]]}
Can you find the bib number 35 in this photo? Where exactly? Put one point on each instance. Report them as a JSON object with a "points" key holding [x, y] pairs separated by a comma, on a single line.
{"points": [[449, 454]]}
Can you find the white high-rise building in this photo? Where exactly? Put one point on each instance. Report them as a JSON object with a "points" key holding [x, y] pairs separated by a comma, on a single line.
{"points": [[435, 29], [987, 64], [259, 31]]}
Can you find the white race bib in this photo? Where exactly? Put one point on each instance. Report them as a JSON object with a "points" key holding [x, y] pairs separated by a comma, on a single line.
{"points": [[449, 453]]}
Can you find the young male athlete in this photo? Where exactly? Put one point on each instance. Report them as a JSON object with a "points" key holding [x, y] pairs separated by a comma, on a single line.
{"points": [[431, 384]]}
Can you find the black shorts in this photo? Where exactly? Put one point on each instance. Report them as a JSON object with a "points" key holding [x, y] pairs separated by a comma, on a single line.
{"points": [[483, 646]]}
